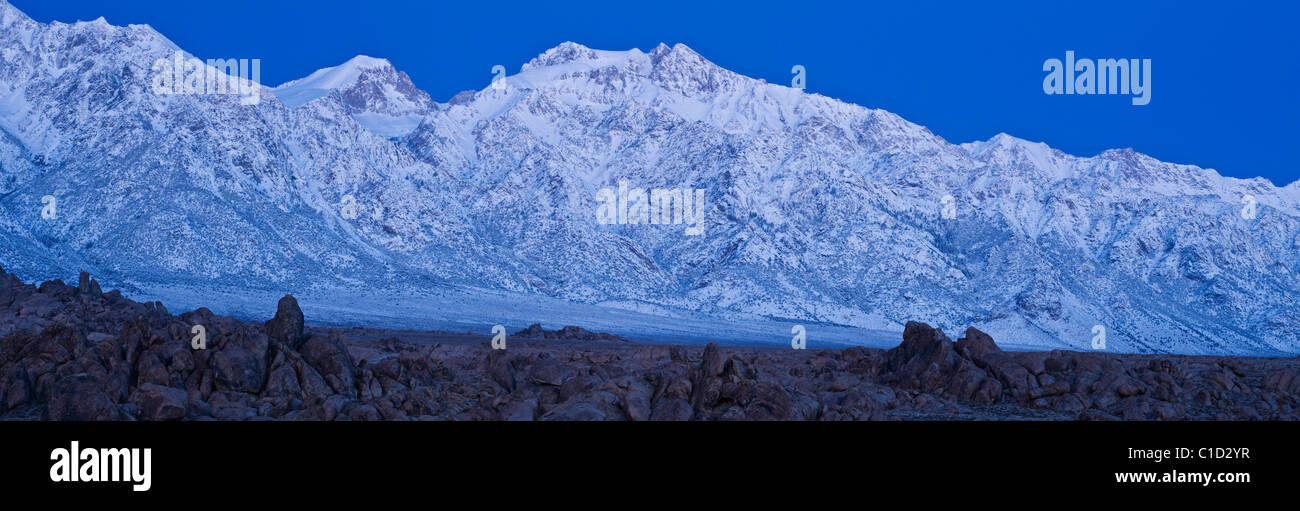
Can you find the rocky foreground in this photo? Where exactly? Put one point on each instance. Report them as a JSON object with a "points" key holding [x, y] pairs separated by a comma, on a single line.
{"points": [[77, 353]]}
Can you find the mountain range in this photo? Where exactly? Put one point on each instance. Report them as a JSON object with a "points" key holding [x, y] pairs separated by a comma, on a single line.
{"points": [[816, 210]]}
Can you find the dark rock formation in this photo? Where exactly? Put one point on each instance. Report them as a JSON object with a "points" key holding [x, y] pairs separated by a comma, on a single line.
{"points": [[287, 325], [76, 353], [928, 361], [568, 333], [156, 402]]}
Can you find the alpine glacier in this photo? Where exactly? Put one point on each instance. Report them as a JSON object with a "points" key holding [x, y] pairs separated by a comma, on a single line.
{"points": [[818, 211]]}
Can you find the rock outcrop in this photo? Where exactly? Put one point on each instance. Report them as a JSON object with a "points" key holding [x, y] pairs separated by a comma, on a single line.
{"points": [[567, 333], [77, 353]]}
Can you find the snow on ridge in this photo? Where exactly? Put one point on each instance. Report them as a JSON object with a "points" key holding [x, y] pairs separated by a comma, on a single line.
{"points": [[321, 82], [10, 15]]}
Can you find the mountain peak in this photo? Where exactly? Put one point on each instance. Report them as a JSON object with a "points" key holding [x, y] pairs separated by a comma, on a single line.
{"points": [[367, 62], [679, 49], [375, 93], [570, 52], [343, 74], [564, 53], [323, 81], [679, 53], [1006, 141], [678, 67], [682, 69]]}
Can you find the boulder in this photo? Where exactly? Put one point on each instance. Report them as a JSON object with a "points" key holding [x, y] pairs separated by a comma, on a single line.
{"points": [[80, 399], [287, 325], [330, 358], [157, 403]]}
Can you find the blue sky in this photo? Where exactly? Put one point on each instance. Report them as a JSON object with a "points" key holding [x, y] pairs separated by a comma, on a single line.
{"points": [[1224, 76]]}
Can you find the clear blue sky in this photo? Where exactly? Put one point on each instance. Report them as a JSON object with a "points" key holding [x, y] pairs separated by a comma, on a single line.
{"points": [[1224, 77]]}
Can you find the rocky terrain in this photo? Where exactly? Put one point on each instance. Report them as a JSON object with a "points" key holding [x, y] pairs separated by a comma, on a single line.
{"points": [[78, 353]]}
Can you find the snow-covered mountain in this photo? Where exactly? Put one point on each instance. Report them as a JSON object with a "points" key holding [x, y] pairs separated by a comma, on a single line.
{"points": [[816, 210], [378, 96]]}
